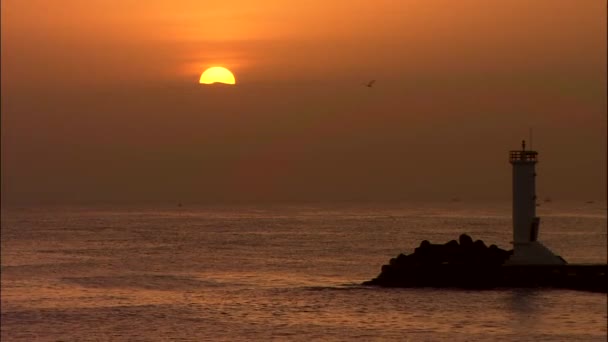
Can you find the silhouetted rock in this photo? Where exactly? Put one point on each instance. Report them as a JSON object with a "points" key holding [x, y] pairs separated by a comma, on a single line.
{"points": [[452, 244], [473, 265], [465, 240], [479, 244], [427, 265]]}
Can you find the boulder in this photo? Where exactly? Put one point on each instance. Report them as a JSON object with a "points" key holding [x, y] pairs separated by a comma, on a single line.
{"points": [[480, 245], [465, 240], [452, 244]]}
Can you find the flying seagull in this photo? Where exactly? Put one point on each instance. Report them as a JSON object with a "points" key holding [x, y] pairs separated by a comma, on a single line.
{"points": [[370, 83]]}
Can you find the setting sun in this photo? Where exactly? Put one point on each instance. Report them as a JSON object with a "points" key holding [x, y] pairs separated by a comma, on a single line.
{"points": [[217, 75]]}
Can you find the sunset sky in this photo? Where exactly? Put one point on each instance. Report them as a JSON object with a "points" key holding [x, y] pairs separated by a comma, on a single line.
{"points": [[101, 100]]}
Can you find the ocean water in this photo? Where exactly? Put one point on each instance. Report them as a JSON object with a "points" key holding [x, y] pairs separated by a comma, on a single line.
{"points": [[277, 272]]}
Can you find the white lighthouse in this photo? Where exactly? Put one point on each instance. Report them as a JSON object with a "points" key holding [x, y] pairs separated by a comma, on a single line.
{"points": [[526, 247]]}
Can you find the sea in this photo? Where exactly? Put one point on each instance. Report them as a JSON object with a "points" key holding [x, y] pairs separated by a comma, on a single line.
{"points": [[278, 272]]}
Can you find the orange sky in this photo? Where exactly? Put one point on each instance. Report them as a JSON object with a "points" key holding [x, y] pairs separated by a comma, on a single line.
{"points": [[100, 99]]}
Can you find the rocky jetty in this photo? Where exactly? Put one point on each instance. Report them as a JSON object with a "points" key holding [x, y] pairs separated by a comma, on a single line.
{"points": [[473, 265]]}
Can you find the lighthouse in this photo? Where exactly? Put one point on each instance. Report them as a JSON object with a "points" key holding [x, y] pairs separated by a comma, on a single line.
{"points": [[527, 250]]}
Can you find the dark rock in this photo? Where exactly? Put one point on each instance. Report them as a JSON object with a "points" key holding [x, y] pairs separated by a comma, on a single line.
{"points": [[423, 250], [451, 251], [429, 265], [424, 245], [479, 244], [452, 244], [465, 240]]}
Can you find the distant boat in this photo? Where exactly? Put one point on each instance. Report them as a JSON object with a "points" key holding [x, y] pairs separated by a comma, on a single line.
{"points": [[547, 199], [589, 202], [179, 204]]}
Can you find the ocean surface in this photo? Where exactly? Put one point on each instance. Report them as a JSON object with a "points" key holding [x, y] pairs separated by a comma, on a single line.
{"points": [[277, 272]]}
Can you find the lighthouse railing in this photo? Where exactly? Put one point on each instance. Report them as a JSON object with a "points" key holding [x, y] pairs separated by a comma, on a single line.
{"points": [[523, 156]]}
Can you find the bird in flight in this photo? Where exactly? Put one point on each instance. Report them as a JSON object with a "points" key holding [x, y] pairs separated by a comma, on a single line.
{"points": [[370, 83]]}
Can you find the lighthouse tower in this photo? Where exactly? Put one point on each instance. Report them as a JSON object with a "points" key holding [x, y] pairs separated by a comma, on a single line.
{"points": [[526, 247]]}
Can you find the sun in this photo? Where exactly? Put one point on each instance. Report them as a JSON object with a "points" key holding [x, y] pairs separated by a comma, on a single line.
{"points": [[217, 75]]}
